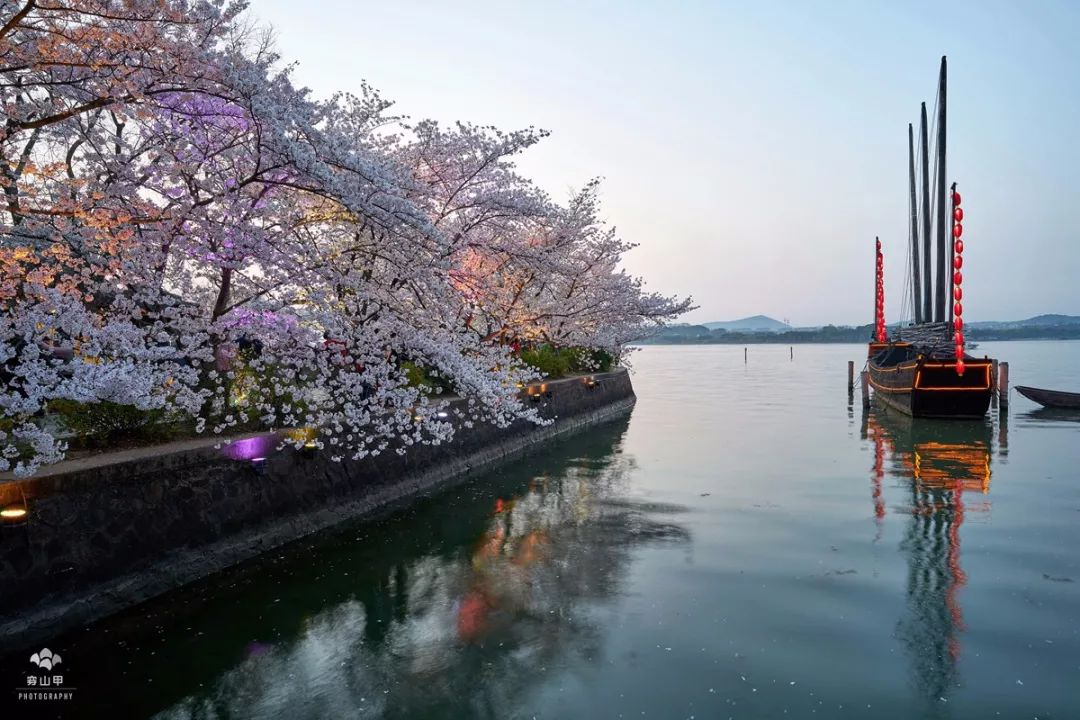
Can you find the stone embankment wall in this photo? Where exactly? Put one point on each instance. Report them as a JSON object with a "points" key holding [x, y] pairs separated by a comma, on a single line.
{"points": [[103, 534]]}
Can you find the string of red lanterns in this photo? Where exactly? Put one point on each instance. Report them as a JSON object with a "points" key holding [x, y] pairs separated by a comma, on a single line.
{"points": [[879, 314], [958, 279]]}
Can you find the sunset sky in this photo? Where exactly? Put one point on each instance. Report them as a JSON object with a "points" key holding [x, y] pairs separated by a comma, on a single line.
{"points": [[753, 150]]}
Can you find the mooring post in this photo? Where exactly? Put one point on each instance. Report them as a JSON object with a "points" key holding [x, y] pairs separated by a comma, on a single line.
{"points": [[850, 375], [792, 349], [744, 356], [1003, 384], [864, 378]]}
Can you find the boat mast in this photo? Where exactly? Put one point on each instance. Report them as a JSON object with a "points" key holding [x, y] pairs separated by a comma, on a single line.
{"points": [[942, 288], [915, 272], [928, 288]]}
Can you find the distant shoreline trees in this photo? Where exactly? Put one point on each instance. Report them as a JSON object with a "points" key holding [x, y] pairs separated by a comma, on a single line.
{"points": [[701, 335], [179, 218]]}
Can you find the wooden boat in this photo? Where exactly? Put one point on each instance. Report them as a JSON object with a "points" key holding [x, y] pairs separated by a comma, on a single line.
{"points": [[923, 369], [1051, 398], [924, 386]]}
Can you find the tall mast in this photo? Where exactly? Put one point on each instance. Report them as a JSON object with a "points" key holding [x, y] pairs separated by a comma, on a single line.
{"points": [[928, 288], [942, 277], [915, 272]]}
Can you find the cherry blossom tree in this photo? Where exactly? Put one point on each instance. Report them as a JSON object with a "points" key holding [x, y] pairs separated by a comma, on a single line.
{"points": [[185, 230]]}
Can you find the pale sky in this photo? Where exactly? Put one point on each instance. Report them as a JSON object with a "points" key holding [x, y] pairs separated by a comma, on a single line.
{"points": [[753, 149]]}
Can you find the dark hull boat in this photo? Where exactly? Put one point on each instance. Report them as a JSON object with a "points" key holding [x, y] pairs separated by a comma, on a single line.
{"points": [[923, 370], [923, 386], [1051, 398]]}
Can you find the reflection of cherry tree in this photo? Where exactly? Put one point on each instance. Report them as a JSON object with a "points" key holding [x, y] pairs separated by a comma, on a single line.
{"points": [[170, 196], [468, 631]]}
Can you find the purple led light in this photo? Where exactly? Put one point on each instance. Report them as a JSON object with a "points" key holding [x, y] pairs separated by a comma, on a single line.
{"points": [[255, 449]]}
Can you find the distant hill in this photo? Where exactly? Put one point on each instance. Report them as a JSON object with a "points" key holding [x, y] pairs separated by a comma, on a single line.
{"points": [[757, 323], [762, 329], [1037, 321]]}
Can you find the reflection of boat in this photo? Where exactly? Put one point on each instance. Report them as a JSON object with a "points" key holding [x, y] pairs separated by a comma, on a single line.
{"points": [[1051, 398], [935, 453], [941, 464], [923, 369], [1051, 415]]}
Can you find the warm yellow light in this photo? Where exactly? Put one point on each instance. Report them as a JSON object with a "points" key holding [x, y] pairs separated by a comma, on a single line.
{"points": [[12, 513]]}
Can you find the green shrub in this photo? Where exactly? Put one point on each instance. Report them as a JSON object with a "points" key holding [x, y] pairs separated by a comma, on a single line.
{"points": [[427, 379], [603, 361], [416, 376], [549, 360], [108, 422], [556, 362]]}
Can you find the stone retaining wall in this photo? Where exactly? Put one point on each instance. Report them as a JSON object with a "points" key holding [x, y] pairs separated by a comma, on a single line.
{"points": [[103, 535]]}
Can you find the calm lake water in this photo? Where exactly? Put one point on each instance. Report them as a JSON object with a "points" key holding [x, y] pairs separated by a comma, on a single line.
{"points": [[747, 544]]}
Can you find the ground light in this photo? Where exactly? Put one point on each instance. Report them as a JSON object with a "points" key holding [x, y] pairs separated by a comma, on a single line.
{"points": [[13, 512], [13, 515]]}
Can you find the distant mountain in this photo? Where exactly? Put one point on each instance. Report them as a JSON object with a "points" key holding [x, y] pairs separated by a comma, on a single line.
{"points": [[762, 329], [757, 323], [1037, 321]]}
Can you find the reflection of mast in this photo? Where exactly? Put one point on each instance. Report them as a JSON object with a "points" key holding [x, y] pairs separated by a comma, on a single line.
{"points": [[934, 622], [940, 461]]}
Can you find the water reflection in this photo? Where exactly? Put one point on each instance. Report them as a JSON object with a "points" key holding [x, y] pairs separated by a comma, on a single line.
{"points": [[453, 608], [1054, 416], [945, 473]]}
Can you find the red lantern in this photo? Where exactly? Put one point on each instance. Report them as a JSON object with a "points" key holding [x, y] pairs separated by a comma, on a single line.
{"points": [[959, 245], [958, 309], [957, 278], [956, 198], [957, 293], [958, 262], [958, 323], [958, 214], [959, 367], [957, 230], [959, 339]]}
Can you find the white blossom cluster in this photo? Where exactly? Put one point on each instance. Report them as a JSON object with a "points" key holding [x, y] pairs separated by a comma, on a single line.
{"points": [[183, 229]]}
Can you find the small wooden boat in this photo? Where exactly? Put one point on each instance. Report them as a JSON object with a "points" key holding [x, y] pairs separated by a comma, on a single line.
{"points": [[1051, 398]]}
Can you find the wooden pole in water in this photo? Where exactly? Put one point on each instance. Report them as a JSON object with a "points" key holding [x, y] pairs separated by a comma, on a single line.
{"points": [[792, 349], [850, 375], [994, 375], [1003, 384], [744, 356], [864, 377]]}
